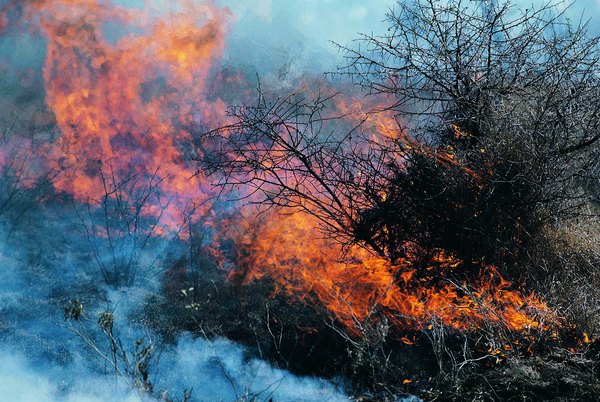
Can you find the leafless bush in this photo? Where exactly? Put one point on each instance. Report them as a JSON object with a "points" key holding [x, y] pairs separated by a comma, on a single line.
{"points": [[502, 136], [24, 174], [510, 92], [121, 226]]}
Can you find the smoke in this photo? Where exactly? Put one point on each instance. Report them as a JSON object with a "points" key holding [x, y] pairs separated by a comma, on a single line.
{"points": [[283, 40], [287, 39], [45, 263], [20, 381], [218, 369]]}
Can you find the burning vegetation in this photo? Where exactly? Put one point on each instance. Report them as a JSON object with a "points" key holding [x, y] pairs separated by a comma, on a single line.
{"points": [[410, 233]]}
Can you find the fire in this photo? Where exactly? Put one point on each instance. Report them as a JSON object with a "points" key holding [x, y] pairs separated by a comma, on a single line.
{"points": [[125, 106], [368, 287], [357, 287], [386, 127], [130, 105]]}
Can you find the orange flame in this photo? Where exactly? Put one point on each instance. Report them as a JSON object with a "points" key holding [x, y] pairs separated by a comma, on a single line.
{"points": [[130, 102], [359, 287]]}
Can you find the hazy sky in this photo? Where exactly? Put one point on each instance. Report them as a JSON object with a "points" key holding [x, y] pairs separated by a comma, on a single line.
{"points": [[269, 32], [296, 35]]}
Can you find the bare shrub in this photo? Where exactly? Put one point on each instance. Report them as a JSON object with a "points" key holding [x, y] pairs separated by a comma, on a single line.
{"points": [[123, 224]]}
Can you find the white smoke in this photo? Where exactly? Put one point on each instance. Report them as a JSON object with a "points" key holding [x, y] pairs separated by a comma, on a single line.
{"points": [[44, 264]]}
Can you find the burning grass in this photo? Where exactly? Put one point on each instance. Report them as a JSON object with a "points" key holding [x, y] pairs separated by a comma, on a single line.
{"points": [[434, 361], [357, 287]]}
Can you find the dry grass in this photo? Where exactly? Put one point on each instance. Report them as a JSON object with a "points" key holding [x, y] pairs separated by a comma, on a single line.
{"points": [[566, 271]]}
